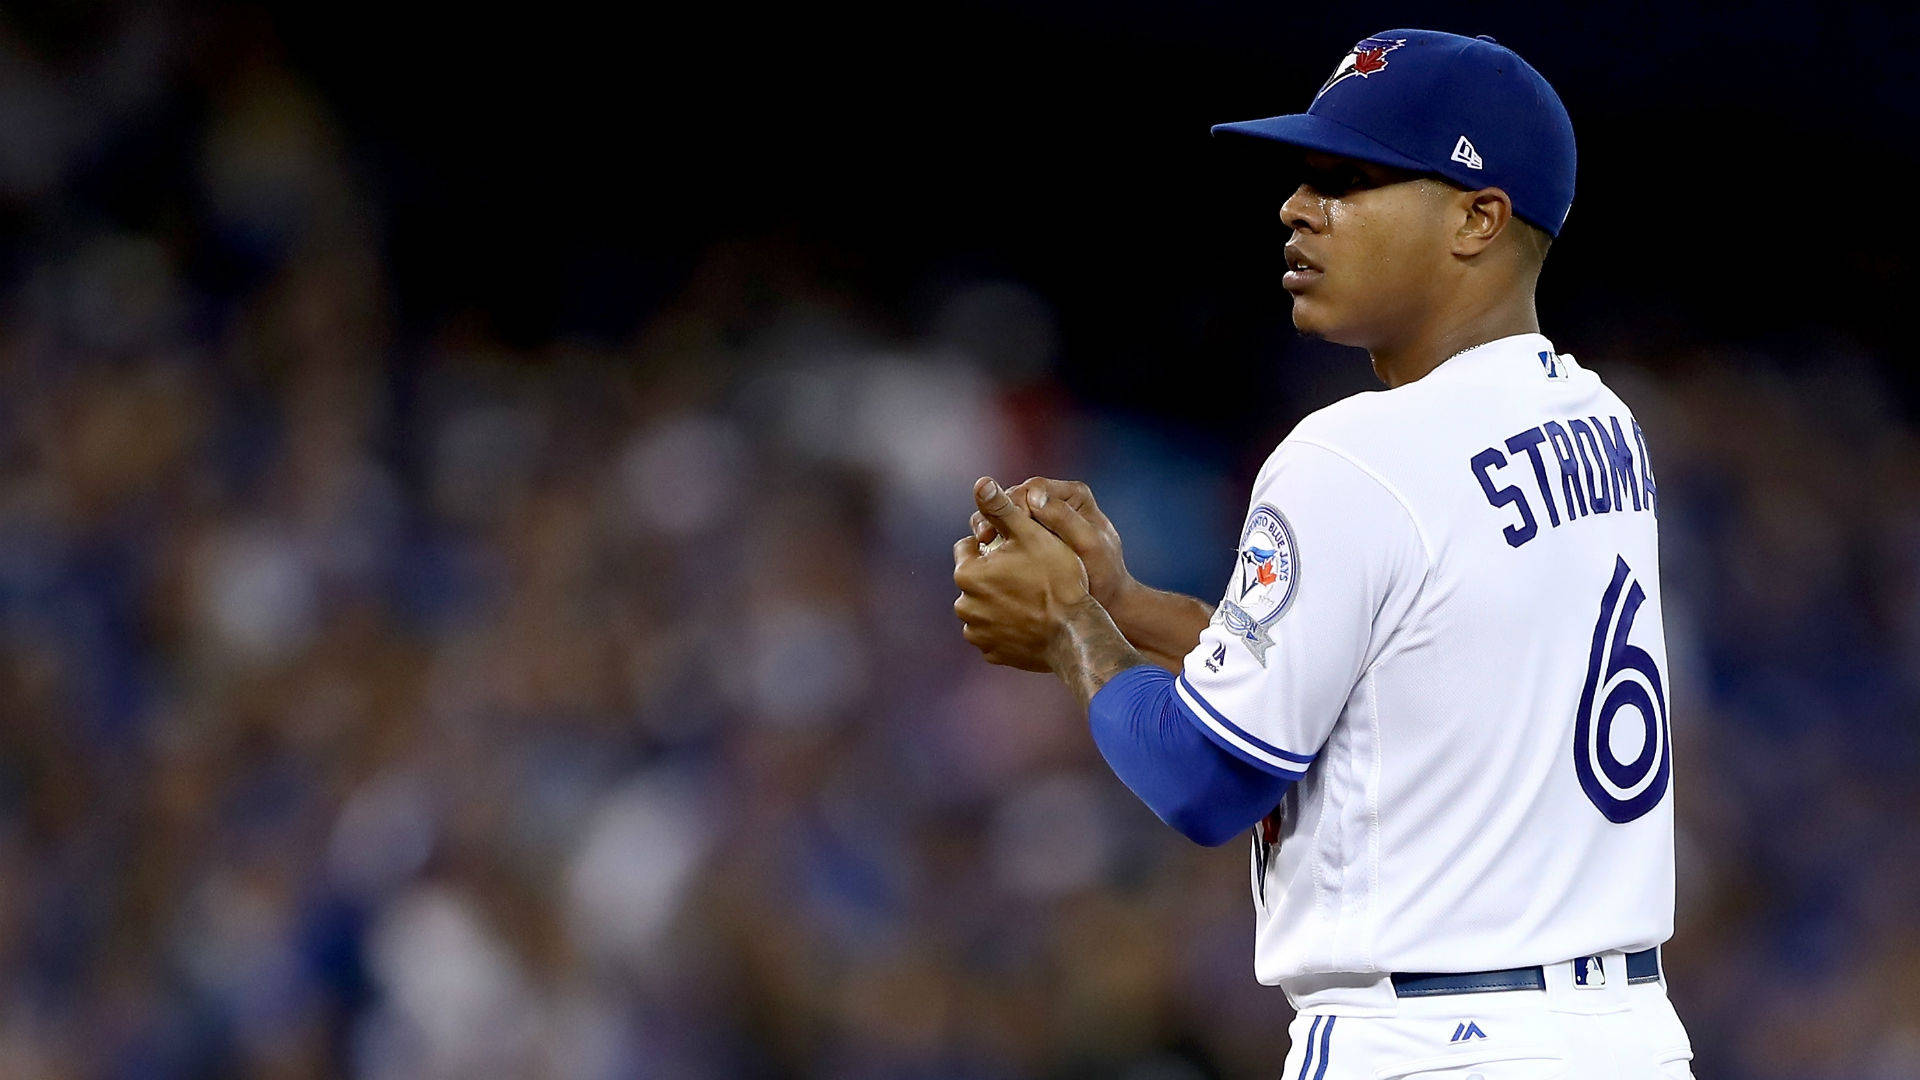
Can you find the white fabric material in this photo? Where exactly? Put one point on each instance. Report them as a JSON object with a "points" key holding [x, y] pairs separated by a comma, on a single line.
{"points": [[1615, 1031], [1419, 621]]}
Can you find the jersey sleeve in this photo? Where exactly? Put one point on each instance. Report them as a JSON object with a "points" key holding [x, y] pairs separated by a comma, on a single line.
{"points": [[1329, 562]]}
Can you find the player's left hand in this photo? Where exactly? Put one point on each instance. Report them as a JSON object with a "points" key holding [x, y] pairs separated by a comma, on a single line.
{"points": [[1014, 599]]}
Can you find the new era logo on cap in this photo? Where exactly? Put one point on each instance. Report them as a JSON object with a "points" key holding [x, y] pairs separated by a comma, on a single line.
{"points": [[1465, 154]]}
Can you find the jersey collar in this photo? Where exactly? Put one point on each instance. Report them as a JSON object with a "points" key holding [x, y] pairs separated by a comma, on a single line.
{"points": [[1514, 352]]}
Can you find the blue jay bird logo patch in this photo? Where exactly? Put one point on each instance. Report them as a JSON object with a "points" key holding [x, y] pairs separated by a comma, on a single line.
{"points": [[1264, 580]]}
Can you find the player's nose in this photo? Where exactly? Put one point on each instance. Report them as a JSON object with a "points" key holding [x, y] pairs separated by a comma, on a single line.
{"points": [[1301, 210]]}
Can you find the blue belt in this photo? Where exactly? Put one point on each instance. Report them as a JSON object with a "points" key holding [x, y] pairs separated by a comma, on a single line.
{"points": [[1642, 967]]}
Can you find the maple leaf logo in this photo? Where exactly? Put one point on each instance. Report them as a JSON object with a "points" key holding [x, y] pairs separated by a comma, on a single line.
{"points": [[1368, 61], [1368, 57]]}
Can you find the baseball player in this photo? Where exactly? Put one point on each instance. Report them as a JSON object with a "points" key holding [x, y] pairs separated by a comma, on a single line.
{"points": [[1436, 686]]}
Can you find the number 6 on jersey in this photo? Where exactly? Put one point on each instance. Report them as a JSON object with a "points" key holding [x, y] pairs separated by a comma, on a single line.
{"points": [[1622, 676]]}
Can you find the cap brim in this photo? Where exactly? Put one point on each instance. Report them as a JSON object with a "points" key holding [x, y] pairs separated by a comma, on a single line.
{"points": [[1305, 131]]}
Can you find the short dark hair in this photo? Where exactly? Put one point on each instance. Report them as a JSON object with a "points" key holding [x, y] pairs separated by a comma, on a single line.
{"points": [[1534, 240]]}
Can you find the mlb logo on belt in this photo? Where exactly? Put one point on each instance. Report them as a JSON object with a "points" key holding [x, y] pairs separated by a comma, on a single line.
{"points": [[1588, 972]]}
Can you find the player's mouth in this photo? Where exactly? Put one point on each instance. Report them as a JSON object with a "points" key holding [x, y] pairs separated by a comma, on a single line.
{"points": [[1301, 271]]}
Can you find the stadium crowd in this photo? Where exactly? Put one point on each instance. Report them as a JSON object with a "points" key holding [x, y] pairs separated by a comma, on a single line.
{"points": [[388, 700]]}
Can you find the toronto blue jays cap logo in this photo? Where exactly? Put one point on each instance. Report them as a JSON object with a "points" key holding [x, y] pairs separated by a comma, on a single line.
{"points": [[1264, 580], [1365, 58]]}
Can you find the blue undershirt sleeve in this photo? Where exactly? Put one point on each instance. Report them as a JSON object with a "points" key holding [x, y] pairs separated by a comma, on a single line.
{"points": [[1191, 783]]}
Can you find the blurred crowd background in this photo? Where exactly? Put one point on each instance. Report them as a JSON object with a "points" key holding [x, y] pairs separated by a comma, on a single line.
{"points": [[476, 499]]}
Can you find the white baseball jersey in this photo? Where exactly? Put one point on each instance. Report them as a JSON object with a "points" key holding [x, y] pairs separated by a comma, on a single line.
{"points": [[1444, 621]]}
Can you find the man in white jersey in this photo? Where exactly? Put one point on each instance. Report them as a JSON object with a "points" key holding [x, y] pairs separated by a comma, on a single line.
{"points": [[1436, 687]]}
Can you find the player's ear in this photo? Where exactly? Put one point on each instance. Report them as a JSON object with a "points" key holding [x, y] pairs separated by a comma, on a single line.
{"points": [[1484, 215]]}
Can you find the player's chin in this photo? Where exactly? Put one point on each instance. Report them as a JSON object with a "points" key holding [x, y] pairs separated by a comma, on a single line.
{"points": [[1310, 316]]}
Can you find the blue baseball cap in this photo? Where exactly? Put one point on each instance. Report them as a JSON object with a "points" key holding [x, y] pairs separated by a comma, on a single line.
{"points": [[1467, 109]]}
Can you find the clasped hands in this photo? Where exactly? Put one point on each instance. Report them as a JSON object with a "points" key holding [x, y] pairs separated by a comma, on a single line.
{"points": [[1057, 552]]}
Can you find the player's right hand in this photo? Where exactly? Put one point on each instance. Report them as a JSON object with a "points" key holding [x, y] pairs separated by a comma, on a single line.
{"points": [[1015, 601], [1068, 510]]}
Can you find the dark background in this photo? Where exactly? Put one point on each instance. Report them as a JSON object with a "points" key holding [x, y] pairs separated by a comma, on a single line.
{"points": [[1735, 173], [476, 490]]}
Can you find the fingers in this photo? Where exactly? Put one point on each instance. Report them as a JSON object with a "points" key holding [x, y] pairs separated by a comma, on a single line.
{"points": [[965, 550], [1054, 504], [982, 528], [1071, 492], [966, 608], [993, 654], [1064, 521], [1009, 519]]}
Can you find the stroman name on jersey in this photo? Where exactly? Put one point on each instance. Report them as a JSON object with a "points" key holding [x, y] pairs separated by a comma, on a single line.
{"points": [[1595, 470]]}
